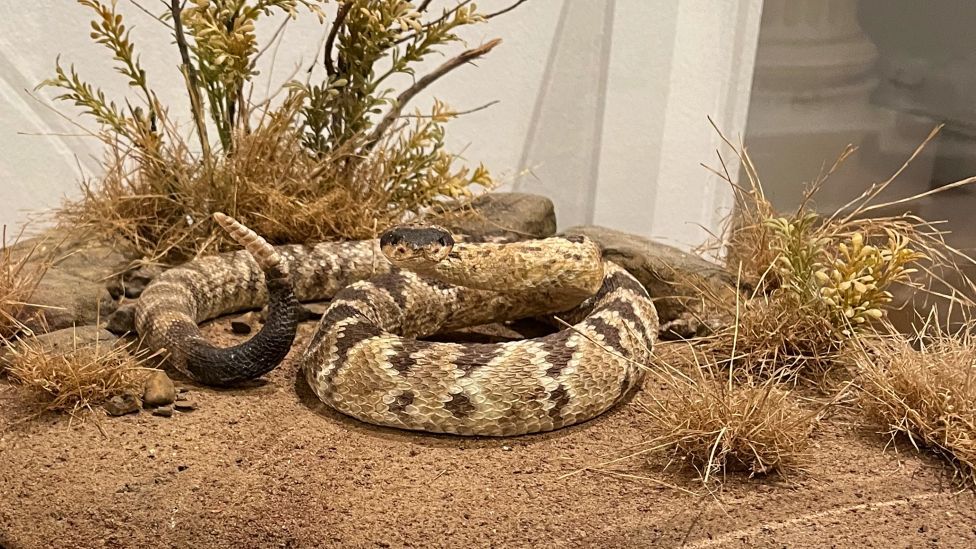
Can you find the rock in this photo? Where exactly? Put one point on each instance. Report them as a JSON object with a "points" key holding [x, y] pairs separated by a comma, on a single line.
{"points": [[245, 324], [93, 262], [121, 405], [138, 279], [239, 326], [312, 310], [158, 390], [115, 288], [669, 275], [123, 319], [185, 405], [66, 339], [485, 333], [510, 215], [81, 336], [163, 411], [75, 254], [62, 299]]}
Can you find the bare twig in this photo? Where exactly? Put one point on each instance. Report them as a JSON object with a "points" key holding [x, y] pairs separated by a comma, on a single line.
{"points": [[428, 79], [506, 10], [456, 113], [196, 103], [330, 41], [145, 10]]}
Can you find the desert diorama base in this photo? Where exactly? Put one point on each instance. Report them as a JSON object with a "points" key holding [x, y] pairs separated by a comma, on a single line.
{"points": [[268, 465]]}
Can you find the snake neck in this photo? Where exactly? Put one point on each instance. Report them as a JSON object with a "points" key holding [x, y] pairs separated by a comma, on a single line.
{"points": [[562, 271]]}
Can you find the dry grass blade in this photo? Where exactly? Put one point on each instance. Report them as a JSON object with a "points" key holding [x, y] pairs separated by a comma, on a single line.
{"points": [[924, 388], [20, 273], [78, 377]]}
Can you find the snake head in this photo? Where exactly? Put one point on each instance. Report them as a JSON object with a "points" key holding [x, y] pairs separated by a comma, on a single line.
{"points": [[416, 244]]}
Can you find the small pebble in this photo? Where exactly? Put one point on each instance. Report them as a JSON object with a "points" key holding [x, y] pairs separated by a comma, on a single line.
{"points": [[121, 405], [158, 390], [185, 405], [123, 319], [240, 327], [163, 411], [245, 323]]}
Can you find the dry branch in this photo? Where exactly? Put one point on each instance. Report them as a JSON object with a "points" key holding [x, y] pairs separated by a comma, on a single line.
{"points": [[428, 79]]}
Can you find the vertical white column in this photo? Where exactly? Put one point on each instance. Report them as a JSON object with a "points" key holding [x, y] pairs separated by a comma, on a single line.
{"points": [[670, 68]]}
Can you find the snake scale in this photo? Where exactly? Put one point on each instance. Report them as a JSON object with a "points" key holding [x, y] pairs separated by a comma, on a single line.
{"points": [[366, 358]]}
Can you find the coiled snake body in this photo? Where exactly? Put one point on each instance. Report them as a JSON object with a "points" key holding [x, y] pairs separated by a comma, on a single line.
{"points": [[365, 359]]}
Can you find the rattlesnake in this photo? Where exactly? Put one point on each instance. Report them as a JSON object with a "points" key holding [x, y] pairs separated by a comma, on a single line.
{"points": [[365, 360]]}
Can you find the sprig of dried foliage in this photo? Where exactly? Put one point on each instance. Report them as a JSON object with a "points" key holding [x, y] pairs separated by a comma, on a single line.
{"points": [[78, 377], [330, 160], [923, 388], [817, 281]]}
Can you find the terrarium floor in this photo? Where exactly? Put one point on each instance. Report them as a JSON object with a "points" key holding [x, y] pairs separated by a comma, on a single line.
{"points": [[269, 466]]}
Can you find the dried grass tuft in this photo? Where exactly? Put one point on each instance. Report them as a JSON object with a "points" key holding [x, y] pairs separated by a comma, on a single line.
{"points": [[328, 156], [78, 377], [717, 425], [159, 204], [709, 420], [924, 388], [20, 272], [815, 282]]}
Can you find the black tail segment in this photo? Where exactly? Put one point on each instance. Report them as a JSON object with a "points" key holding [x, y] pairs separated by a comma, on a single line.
{"points": [[257, 356]]}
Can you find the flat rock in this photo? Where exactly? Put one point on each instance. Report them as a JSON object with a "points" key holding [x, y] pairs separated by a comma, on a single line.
{"points": [[121, 405], [163, 411], [508, 215], [158, 390], [670, 276], [185, 405], [63, 299], [312, 310], [74, 254], [67, 339], [486, 333], [92, 262]]}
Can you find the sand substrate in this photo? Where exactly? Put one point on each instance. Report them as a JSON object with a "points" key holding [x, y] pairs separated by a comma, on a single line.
{"points": [[269, 466]]}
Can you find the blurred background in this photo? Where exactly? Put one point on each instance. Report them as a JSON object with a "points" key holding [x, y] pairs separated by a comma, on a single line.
{"points": [[602, 105]]}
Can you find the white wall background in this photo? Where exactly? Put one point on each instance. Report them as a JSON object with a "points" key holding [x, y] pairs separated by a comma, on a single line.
{"points": [[602, 103]]}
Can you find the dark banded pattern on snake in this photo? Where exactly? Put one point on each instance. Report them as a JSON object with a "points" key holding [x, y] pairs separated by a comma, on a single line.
{"points": [[365, 358]]}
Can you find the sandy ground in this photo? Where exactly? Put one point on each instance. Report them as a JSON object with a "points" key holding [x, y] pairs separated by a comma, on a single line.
{"points": [[268, 466]]}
